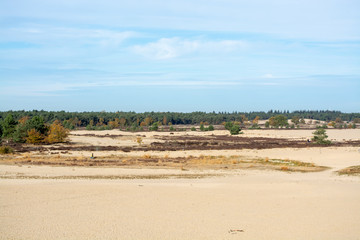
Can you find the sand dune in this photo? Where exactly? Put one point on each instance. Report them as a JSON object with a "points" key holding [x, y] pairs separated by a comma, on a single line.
{"points": [[235, 204]]}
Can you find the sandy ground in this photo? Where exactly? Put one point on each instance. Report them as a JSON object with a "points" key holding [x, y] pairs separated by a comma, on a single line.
{"points": [[263, 204]]}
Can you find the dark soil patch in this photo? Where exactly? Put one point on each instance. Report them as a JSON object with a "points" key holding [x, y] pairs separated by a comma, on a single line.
{"points": [[176, 143]]}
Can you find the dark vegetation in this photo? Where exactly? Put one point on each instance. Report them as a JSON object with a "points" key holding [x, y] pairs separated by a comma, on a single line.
{"points": [[108, 120], [32, 130], [51, 127]]}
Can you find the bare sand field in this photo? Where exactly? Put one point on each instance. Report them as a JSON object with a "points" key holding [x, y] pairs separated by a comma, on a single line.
{"points": [[200, 193]]}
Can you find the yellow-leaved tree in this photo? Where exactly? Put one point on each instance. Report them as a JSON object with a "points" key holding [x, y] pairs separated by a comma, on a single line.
{"points": [[34, 137], [57, 133]]}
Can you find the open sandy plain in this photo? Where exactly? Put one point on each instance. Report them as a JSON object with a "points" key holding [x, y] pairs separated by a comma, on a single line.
{"points": [[183, 185]]}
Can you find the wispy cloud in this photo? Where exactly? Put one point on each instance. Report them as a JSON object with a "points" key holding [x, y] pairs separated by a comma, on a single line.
{"points": [[52, 35], [167, 48]]}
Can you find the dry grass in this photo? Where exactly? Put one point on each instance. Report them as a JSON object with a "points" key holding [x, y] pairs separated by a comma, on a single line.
{"points": [[183, 163], [353, 170]]}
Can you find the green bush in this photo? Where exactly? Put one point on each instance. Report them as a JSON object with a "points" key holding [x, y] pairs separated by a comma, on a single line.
{"points": [[211, 128], [235, 130], [154, 127], [228, 125], [193, 129]]}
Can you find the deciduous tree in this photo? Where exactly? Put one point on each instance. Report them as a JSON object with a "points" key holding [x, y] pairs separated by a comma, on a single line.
{"points": [[34, 137], [57, 133]]}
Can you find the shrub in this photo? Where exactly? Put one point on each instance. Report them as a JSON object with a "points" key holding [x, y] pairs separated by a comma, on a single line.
{"points": [[154, 127], [6, 150], [193, 129], [228, 125], [211, 128], [172, 128], [235, 130]]}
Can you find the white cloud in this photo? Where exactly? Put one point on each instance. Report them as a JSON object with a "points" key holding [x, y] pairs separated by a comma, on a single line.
{"points": [[167, 48]]}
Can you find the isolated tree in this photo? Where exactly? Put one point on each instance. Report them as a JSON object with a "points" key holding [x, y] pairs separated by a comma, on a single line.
{"points": [[57, 133], [8, 126], [211, 128], [320, 137]]}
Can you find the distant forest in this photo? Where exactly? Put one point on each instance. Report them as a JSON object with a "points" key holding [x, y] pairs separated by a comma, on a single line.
{"points": [[83, 119]]}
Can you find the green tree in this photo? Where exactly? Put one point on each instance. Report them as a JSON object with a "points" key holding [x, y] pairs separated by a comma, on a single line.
{"points": [[320, 137], [228, 125], [202, 128], [20, 134], [235, 130], [1, 130], [278, 121], [8, 126], [38, 124], [154, 126], [211, 128]]}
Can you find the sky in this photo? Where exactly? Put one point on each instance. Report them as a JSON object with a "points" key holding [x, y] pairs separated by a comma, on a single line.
{"points": [[180, 56]]}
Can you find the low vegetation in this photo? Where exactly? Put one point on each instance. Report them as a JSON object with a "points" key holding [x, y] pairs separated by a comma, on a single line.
{"points": [[6, 150], [183, 163], [353, 170]]}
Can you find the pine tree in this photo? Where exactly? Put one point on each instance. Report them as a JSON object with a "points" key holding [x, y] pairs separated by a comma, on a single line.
{"points": [[8, 126], [320, 137]]}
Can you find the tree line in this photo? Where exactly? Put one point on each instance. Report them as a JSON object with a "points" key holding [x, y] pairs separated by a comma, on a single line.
{"points": [[93, 120]]}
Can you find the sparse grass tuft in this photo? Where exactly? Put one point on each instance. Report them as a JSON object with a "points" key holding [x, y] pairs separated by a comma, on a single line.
{"points": [[353, 170]]}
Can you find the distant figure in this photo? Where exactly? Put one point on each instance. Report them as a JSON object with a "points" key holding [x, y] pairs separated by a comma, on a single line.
{"points": [[92, 155], [308, 140]]}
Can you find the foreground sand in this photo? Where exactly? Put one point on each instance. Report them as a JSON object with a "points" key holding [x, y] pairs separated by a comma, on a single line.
{"points": [[263, 204]]}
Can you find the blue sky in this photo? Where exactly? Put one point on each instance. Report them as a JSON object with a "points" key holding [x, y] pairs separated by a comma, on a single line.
{"points": [[229, 55]]}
